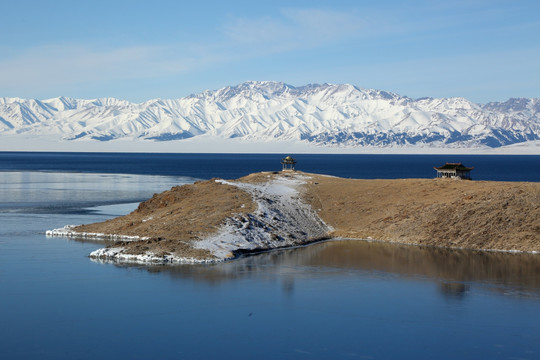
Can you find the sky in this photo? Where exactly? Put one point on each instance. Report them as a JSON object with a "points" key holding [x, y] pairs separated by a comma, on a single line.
{"points": [[140, 50]]}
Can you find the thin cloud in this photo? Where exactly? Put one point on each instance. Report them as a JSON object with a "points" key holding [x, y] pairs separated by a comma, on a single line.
{"points": [[242, 39], [66, 64], [295, 29]]}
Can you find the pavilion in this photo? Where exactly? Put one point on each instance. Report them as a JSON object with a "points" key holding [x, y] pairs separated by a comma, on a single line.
{"points": [[454, 170], [288, 163]]}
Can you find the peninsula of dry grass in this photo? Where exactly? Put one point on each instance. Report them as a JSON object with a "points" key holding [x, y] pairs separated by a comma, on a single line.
{"points": [[449, 213]]}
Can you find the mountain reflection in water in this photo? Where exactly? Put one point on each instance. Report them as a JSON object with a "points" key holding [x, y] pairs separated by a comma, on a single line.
{"points": [[454, 271]]}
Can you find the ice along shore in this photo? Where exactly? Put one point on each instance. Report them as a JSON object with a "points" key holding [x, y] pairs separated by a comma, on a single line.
{"points": [[217, 220]]}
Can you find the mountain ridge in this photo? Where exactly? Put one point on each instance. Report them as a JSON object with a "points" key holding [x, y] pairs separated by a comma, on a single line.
{"points": [[323, 115]]}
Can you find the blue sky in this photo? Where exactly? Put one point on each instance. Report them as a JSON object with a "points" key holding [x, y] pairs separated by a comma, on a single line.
{"points": [[140, 50]]}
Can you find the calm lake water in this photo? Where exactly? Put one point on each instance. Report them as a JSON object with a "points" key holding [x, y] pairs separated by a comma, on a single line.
{"points": [[337, 299]]}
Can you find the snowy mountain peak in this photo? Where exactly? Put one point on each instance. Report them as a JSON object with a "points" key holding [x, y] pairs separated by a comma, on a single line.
{"points": [[515, 105], [247, 90], [326, 115]]}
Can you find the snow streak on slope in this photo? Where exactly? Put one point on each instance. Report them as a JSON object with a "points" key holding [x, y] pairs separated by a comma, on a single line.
{"points": [[336, 115], [282, 219]]}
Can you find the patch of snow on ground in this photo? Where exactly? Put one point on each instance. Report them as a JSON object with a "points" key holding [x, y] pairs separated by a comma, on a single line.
{"points": [[116, 254], [67, 231], [282, 219]]}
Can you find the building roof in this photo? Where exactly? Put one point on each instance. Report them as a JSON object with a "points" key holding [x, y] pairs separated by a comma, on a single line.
{"points": [[288, 160], [454, 166]]}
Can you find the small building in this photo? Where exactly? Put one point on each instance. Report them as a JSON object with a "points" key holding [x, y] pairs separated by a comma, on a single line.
{"points": [[454, 170], [288, 163]]}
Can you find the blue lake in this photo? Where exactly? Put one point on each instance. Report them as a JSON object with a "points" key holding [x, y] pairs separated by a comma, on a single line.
{"points": [[337, 299], [228, 166]]}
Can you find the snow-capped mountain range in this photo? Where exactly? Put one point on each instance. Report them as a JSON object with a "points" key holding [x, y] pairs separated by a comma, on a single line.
{"points": [[326, 115]]}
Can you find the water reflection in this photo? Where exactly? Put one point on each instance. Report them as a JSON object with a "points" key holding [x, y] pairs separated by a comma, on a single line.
{"points": [[454, 271], [454, 290]]}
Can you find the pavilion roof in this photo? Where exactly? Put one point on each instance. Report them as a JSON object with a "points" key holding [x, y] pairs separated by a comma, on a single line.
{"points": [[454, 166], [288, 160]]}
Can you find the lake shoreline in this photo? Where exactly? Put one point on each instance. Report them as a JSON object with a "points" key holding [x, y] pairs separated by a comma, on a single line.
{"points": [[218, 220]]}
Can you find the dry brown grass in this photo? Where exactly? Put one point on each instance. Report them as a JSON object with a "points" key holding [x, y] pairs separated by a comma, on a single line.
{"points": [[440, 212], [177, 217]]}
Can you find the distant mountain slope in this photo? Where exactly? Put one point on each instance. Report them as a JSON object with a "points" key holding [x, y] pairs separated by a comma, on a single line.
{"points": [[262, 111]]}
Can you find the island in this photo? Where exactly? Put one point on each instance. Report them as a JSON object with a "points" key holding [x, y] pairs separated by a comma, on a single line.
{"points": [[218, 219]]}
